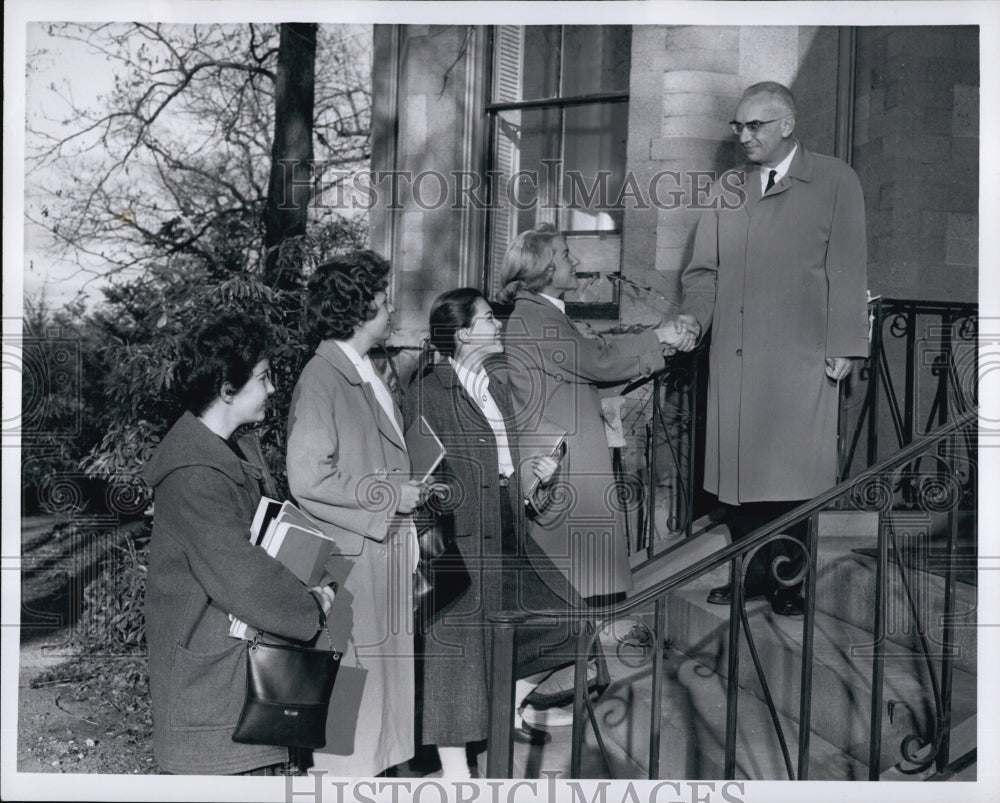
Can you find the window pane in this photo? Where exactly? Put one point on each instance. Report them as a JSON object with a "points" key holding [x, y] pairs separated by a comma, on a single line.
{"points": [[541, 62], [596, 58], [598, 255], [594, 154]]}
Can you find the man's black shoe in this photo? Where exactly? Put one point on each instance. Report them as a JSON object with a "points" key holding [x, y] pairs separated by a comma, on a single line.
{"points": [[723, 595], [786, 602]]}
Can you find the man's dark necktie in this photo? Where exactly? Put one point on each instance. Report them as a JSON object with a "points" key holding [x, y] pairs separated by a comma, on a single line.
{"points": [[770, 180]]}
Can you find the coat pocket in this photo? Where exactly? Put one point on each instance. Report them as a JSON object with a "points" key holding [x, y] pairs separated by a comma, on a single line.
{"points": [[207, 690]]}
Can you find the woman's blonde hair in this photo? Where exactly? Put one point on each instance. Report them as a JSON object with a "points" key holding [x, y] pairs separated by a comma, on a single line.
{"points": [[526, 263]]}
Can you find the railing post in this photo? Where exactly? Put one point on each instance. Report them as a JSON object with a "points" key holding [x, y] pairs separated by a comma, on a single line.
{"points": [[651, 469], [688, 478], [733, 680], [947, 641], [808, 632], [873, 377], [503, 656], [878, 654], [656, 697], [580, 692]]}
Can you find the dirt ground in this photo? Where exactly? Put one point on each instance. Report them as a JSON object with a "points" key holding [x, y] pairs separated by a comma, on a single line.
{"points": [[68, 723], [76, 713]]}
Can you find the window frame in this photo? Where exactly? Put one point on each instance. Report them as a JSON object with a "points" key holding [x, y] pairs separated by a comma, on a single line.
{"points": [[583, 310]]}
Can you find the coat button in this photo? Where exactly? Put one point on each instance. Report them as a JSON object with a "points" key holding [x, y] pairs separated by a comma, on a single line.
{"points": [[739, 352]]}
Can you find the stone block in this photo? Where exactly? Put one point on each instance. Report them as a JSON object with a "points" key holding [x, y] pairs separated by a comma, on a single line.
{"points": [[677, 104], [694, 153], [696, 126], [890, 97], [411, 252], [672, 259], [937, 121], [892, 123], [718, 61], [639, 245], [934, 222], [769, 53], [951, 71], [702, 37], [918, 40], [963, 197], [648, 43], [962, 239], [965, 151], [413, 125], [879, 222], [965, 111], [724, 85]]}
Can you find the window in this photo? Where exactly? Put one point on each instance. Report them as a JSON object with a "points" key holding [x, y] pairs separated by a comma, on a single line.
{"points": [[558, 118]]}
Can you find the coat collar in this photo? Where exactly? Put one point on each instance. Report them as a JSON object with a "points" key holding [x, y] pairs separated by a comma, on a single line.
{"points": [[329, 351], [335, 355], [443, 374], [190, 443], [537, 298], [801, 168]]}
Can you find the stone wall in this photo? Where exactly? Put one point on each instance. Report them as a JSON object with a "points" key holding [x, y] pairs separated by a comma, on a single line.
{"points": [[418, 132], [686, 81], [916, 148]]}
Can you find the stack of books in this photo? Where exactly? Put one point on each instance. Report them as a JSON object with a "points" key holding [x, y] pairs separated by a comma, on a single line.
{"points": [[292, 537]]}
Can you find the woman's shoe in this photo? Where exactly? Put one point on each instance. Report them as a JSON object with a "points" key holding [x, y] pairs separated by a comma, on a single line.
{"points": [[529, 735], [552, 717]]}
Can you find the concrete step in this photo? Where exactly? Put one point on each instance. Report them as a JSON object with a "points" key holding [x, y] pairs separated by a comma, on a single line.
{"points": [[692, 729], [840, 568], [963, 739], [694, 690], [841, 671]]}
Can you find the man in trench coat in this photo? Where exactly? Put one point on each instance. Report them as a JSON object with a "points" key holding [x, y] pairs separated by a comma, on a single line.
{"points": [[781, 278]]}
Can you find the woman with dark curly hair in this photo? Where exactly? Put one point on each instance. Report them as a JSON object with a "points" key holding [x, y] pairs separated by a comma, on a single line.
{"points": [[202, 565], [348, 467]]}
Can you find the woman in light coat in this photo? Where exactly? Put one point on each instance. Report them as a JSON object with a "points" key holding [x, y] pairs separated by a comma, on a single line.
{"points": [[348, 467], [555, 374]]}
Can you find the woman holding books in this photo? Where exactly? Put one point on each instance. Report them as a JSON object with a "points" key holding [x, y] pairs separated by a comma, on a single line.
{"points": [[348, 467], [555, 376], [202, 565], [466, 403]]}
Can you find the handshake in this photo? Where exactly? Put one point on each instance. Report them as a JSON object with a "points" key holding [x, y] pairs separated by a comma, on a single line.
{"points": [[681, 334]]}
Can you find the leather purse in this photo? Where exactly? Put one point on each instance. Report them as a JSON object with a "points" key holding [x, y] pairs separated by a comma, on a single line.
{"points": [[287, 694], [441, 575]]}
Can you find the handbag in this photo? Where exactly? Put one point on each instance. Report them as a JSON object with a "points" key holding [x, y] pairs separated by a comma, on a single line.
{"points": [[287, 694], [441, 575]]}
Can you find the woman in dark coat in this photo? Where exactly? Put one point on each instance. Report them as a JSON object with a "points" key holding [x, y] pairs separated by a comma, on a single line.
{"points": [[469, 409], [202, 565]]}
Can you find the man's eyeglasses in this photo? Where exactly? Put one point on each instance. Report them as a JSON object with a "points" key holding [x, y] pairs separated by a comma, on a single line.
{"points": [[753, 126]]}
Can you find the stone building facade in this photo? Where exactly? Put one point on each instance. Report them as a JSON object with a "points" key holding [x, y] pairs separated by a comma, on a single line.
{"points": [[899, 103]]}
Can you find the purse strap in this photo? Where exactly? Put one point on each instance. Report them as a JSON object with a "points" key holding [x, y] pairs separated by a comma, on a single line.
{"points": [[258, 635]]}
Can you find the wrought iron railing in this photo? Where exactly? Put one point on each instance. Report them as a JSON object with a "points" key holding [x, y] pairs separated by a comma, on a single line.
{"points": [[874, 489], [921, 373]]}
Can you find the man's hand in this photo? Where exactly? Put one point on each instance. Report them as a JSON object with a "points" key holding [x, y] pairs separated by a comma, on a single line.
{"points": [[678, 335], [692, 330], [838, 368]]}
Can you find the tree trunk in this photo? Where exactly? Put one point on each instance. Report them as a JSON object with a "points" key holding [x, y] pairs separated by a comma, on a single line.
{"points": [[289, 187]]}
